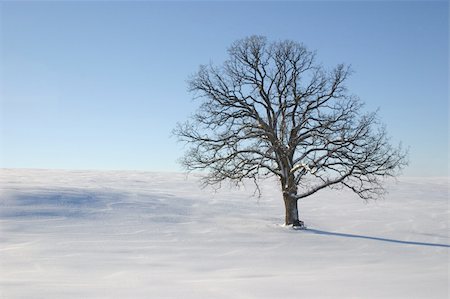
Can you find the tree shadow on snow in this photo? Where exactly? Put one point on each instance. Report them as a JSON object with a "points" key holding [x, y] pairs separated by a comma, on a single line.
{"points": [[321, 232]]}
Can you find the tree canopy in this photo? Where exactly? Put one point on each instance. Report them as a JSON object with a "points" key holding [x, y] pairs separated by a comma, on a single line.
{"points": [[272, 110]]}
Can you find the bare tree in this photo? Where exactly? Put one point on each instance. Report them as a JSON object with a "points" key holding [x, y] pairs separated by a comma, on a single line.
{"points": [[272, 110]]}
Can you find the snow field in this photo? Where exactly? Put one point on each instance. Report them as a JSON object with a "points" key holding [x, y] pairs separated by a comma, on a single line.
{"points": [[92, 234]]}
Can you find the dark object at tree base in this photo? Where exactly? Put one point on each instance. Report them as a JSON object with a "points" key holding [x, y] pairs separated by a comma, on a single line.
{"points": [[298, 224]]}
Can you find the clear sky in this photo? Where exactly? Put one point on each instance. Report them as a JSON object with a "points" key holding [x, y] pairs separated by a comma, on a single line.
{"points": [[101, 85]]}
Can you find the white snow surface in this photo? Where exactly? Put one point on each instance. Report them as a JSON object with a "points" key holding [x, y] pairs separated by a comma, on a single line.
{"points": [[123, 234]]}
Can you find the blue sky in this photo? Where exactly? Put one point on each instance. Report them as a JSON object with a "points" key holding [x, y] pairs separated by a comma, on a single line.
{"points": [[101, 85]]}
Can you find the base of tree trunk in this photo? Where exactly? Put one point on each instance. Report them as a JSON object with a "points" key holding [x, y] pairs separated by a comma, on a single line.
{"points": [[298, 224], [291, 212]]}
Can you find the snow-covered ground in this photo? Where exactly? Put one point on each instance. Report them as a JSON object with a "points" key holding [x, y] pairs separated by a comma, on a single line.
{"points": [[89, 234]]}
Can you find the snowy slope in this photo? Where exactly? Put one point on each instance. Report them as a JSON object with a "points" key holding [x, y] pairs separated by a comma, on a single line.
{"points": [[87, 234]]}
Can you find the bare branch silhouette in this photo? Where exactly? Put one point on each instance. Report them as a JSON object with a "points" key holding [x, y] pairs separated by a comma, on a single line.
{"points": [[272, 110]]}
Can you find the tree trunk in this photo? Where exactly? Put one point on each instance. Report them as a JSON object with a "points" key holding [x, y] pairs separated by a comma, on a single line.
{"points": [[290, 204]]}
